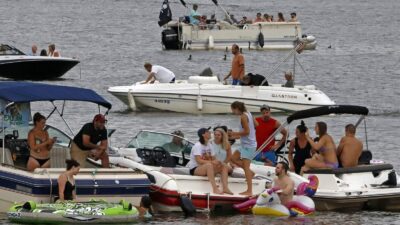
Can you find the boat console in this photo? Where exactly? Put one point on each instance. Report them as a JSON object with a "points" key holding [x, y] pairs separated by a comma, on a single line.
{"points": [[18, 148]]}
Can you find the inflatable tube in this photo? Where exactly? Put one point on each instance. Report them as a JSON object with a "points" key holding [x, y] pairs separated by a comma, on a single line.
{"points": [[73, 212], [268, 203], [308, 189]]}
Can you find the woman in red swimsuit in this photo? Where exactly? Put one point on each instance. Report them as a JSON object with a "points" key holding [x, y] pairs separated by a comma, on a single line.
{"points": [[40, 144]]}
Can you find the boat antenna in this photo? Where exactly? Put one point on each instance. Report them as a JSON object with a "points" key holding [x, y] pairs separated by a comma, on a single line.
{"points": [[222, 8]]}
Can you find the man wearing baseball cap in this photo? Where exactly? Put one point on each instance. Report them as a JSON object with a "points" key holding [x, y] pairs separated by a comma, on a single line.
{"points": [[266, 127], [91, 140]]}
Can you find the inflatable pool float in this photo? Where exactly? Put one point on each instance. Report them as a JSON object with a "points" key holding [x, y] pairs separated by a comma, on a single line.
{"points": [[268, 202], [73, 212]]}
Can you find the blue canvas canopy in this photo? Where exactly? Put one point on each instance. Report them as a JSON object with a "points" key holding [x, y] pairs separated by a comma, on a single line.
{"points": [[18, 92]]}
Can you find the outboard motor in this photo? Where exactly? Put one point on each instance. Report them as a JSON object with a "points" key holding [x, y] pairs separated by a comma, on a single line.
{"points": [[170, 39]]}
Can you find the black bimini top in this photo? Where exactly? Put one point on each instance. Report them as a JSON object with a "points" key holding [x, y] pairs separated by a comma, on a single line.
{"points": [[326, 110]]}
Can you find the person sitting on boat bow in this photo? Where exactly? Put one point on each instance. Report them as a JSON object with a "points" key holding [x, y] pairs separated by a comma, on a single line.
{"points": [[221, 146], [91, 140], [326, 158], [203, 162], [162, 74], [176, 144], [254, 80], [350, 148], [39, 143], [53, 52], [283, 184]]}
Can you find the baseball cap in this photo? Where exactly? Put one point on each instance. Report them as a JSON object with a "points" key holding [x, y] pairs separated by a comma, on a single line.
{"points": [[100, 118], [178, 133], [266, 107], [202, 131]]}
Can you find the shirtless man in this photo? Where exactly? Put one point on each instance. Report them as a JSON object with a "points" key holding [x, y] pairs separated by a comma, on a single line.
{"points": [[350, 148], [283, 183]]}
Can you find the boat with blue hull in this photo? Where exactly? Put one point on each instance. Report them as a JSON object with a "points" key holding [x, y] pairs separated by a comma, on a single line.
{"points": [[18, 185]]}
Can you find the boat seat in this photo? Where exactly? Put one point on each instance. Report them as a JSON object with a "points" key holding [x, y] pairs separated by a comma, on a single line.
{"points": [[358, 169], [58, 155]]}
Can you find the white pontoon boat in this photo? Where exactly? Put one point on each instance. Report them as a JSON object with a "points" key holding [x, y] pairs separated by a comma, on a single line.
{"points": [[218, 34]]}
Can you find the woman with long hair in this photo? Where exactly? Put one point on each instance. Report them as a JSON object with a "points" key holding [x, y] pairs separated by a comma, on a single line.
{"points": [[326, 157], [39, 143], [280, 17], [66, 181], [248, 143], [221, 146], [302, 148], [203, 162]]}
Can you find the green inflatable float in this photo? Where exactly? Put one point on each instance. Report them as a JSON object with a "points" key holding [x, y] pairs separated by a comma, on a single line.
{"points": [[73, 212]]}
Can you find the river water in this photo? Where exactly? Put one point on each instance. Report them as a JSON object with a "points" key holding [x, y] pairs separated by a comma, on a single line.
{"points": [[356, 62]]}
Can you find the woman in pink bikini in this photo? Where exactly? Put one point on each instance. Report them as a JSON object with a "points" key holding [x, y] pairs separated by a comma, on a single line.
{"points": [[326, 158]]}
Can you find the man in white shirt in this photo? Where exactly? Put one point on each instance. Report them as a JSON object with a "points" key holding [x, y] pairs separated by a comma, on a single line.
{"points": [[162, 74]]}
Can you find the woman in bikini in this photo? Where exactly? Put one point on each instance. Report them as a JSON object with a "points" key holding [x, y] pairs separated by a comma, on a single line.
{"points": [[66, 181], [326, 158], [40, 144]]}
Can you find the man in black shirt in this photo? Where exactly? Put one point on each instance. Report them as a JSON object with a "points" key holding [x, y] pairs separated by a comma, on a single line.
{"points": [[91, 141], [254, 80]]}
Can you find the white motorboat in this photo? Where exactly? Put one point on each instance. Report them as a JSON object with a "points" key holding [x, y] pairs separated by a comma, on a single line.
{"points": [[370, 186], [16, 65], [218, 34], [148, 151], [19, 185], [208, 95]]}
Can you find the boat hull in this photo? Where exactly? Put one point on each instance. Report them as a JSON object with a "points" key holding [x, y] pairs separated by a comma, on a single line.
{"points": [[35, 68], [216, 99]]}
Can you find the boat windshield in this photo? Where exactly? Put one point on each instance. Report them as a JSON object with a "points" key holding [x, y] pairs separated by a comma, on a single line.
{"points": [[9, 50], [171, 143]]}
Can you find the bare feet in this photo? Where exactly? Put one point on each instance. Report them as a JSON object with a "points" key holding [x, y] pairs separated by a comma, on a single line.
{"points": [[227, 191], [217, 191], [246, 193]]}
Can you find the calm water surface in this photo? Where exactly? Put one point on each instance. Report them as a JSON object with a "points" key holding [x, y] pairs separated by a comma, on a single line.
{"points": [[114, 38]]}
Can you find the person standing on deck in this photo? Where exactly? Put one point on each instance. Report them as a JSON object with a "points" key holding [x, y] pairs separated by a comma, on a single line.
{"points": [[237, 70]]}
